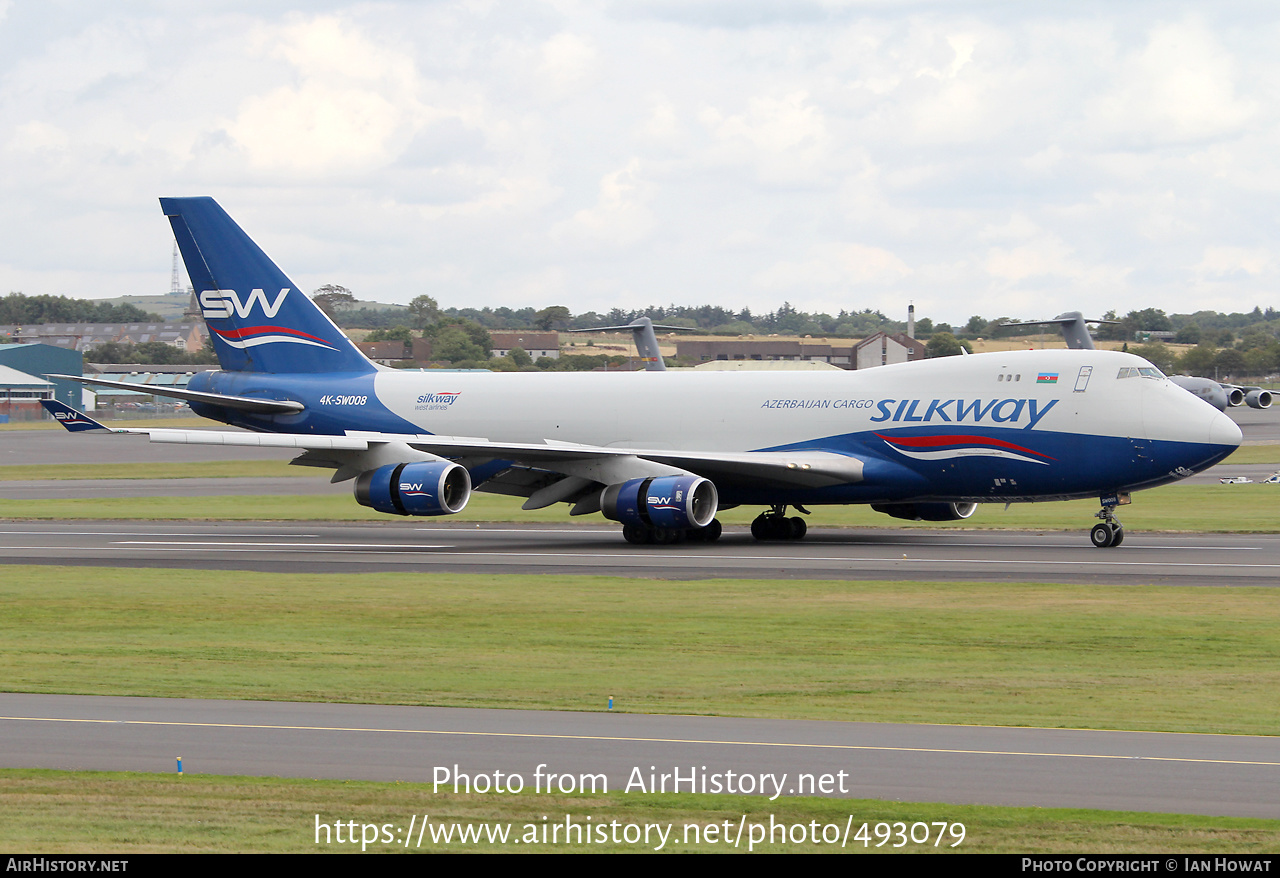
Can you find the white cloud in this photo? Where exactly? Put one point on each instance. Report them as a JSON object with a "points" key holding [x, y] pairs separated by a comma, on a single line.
{"points": [[354, 104], [1048, 255], [663, 122], [567, 60], [1180, 86], [621, 215], [39, 137], [963, 46], [784, 138], [838, 266], [1223, 263]]}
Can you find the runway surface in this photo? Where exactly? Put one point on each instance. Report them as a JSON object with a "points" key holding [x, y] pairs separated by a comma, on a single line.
{"points": [[1195, 774], [906, 554], [1260, 426]]}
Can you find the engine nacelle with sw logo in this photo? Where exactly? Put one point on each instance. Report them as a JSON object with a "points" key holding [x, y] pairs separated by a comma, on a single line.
{"points": [[927, 511], [670, 501], [429, 488]]}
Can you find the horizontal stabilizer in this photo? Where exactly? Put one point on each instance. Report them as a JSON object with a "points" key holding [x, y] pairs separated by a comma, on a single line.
{"points": [[239, 403], [74, 421]]}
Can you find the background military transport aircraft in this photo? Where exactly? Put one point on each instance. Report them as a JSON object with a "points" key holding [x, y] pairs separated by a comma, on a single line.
{"points": [[661, 453]]}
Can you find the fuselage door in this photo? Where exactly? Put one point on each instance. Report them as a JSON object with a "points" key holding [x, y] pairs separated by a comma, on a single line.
{"points": [[1082, 380]]}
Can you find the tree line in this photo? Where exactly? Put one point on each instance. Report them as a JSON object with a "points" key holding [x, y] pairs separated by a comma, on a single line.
{"points": [[22, 310], [1226, 345], [349, 313]]}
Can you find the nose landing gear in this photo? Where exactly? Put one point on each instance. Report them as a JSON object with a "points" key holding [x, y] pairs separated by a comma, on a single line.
{"points": [[1109, 532]]}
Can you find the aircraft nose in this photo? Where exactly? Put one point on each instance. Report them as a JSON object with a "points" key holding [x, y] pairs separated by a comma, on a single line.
{"points": [[1224, 431]]}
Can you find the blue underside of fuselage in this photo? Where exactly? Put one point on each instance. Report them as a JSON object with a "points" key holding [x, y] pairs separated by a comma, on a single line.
{"points": [[1035, 465], [963, 463]]}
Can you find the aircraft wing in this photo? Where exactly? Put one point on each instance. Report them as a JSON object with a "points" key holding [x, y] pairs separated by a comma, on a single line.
{"points": [[807, 469], [588, 466]]}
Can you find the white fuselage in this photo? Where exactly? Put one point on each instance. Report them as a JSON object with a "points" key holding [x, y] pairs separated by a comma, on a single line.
{"points": [[743, 411]]}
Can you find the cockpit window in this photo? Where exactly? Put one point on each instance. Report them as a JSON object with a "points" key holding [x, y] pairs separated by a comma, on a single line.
{"points": [[1139, 372]]}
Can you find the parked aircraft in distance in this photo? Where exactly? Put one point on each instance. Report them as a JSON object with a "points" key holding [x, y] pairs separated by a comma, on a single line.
{"points": [[1210, 391], [645, 339], [1074, 326], [1222, 396], [662, 453]]}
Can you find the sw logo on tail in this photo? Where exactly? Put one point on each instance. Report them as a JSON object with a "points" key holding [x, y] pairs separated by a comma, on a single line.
{"points": [[223, 303]]}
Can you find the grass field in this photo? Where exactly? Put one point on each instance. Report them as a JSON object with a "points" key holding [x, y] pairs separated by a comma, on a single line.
{"points": [[1255, 454], [1168, 659], [51, 812]]}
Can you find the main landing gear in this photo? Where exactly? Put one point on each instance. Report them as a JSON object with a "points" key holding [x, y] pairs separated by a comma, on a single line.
{"points": [[641, 535], [774, 525], [1109, 532]]}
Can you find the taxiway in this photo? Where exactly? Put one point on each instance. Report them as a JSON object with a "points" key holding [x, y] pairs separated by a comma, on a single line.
{"points": [[1140, 771]]}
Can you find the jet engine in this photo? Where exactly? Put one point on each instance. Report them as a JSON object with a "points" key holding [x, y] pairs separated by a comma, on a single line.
{"points": [[1257, 398], [678, 502], [927, 511], [1235, 396], [435, 487]]}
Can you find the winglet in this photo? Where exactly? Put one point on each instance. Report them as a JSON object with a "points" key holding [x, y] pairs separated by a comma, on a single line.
{"points": [[74, 421]]}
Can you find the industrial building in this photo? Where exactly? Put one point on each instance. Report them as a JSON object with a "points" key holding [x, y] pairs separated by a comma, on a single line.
{"points": [[878, 349], [24, 383]]}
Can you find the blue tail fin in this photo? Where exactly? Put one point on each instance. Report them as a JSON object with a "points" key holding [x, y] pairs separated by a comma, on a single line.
{"points": [[258, 319]]}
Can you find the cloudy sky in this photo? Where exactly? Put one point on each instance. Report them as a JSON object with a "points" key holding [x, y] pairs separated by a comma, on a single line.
{"points": [[994, 158]]}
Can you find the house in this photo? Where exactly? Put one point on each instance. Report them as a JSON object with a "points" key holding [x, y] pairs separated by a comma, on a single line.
{"points": [[535, 344]]}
